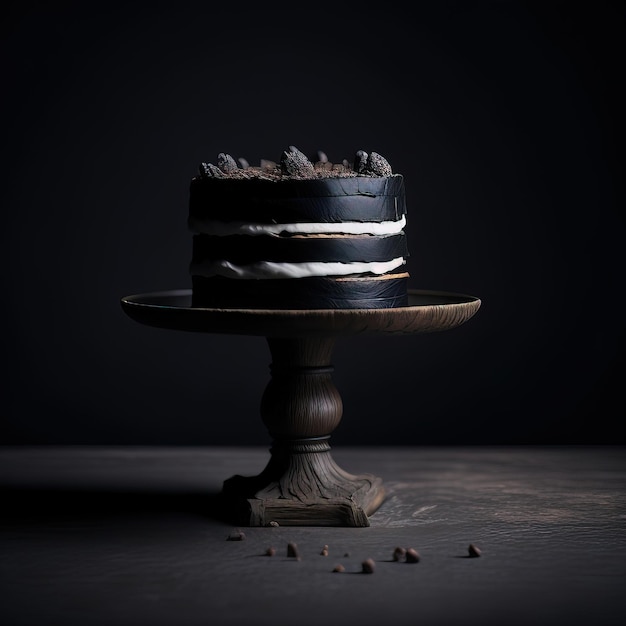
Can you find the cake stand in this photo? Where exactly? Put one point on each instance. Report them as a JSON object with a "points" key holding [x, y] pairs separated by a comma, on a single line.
{"points": [[301, 484]]}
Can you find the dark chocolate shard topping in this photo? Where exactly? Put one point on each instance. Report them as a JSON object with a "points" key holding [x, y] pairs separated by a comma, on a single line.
{"points": [[208, 170], [295, 163], [226, 163], [321, 157], [360, 161], [377, 165], [268, 164]]}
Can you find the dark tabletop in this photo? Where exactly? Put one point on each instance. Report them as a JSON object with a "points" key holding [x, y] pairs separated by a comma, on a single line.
{"points": [[128, 535]]}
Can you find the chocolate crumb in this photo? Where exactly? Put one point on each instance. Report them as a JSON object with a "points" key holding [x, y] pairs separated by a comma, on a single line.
{"points": [[236, 535], [473, 551], [292, 550], [324, 167], [399, 553], [412, 556], [271, 551], [368, 566], [339, 568]]}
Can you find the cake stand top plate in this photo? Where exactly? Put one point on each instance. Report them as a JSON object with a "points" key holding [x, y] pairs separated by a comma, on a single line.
{"points": [[428, 311]]}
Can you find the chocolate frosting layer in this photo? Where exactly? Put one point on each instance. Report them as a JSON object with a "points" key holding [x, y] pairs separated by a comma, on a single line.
{"points": [[243, 250], [303, 293], [357, 198]]}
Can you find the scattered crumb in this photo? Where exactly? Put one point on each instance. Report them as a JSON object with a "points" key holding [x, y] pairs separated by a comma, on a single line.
{"points": [[399, 553], [236, 535], [292, 550], [412, 556], [473, 551]]}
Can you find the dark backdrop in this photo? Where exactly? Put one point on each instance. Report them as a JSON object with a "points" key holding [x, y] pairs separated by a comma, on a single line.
{"points": [[505, 118]]}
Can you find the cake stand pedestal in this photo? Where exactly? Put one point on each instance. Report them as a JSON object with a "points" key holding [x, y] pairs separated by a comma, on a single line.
{"points": [[301, 484]]}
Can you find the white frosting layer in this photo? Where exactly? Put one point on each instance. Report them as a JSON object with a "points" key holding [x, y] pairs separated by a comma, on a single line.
{"points": [[268, 269], [212, 227]]}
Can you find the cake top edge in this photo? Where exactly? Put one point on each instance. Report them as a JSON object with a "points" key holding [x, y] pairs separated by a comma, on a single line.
{"points": [[295, 165]]}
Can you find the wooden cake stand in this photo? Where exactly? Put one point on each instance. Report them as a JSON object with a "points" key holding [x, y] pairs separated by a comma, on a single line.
{"points": [[301, 484]]}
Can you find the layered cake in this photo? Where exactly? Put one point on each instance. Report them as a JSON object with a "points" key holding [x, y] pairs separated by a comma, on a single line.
{"points": [[298, 233]]}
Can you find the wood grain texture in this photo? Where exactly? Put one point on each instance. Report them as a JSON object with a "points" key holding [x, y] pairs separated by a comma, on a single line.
{"points": [[301, 400], [118, 536], [301, 485], [428, 311]]}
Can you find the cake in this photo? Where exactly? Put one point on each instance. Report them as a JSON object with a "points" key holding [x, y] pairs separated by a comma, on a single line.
{"points": [[299, 233]]}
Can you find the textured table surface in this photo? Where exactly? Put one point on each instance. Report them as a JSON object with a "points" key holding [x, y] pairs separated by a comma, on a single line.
{"points": [[126, 535]]}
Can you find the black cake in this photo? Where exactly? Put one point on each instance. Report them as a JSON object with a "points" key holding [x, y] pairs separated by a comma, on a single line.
{"points": [[298, 234]]}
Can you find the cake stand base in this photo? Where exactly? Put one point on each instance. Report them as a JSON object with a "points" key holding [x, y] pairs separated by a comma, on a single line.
{"points": [[303, 486]]}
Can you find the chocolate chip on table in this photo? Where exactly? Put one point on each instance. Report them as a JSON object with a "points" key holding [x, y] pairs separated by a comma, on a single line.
{"points": [[324, 551], [399, 553], [473, 551], [368, 566], [292, 550], [271, 551], [236, 535], [339, 568], [412, 556]]}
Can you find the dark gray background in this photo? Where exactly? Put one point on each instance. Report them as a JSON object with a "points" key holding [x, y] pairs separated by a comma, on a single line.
{"points": [[505, 118]]}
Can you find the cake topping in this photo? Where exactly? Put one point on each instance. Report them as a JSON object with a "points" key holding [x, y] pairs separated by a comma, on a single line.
{"points": [[377, 165], [208, 170], [360, 161], [226, 163], [294, 164]]}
